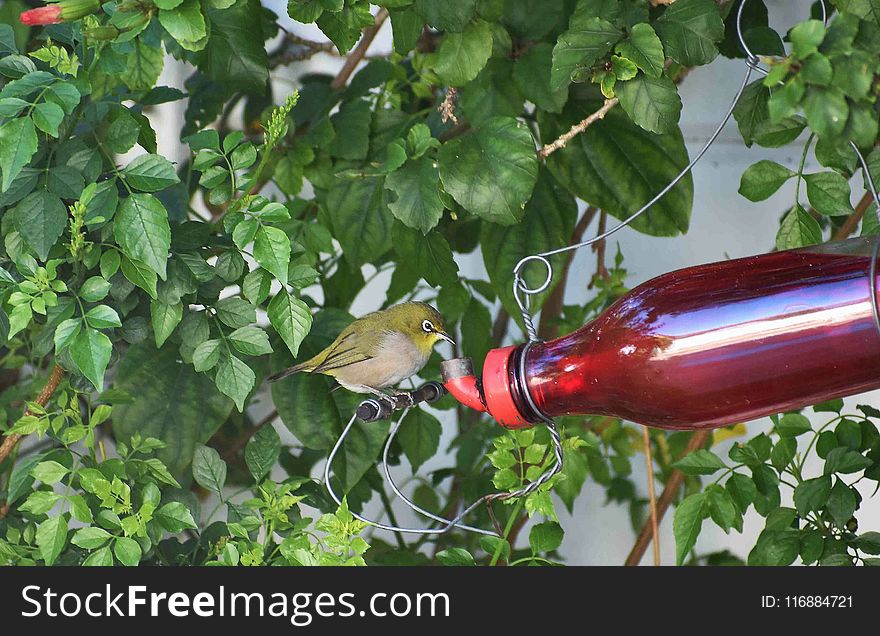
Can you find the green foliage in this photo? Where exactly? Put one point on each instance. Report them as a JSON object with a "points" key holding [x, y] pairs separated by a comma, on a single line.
{"points": [[822, 526], [168, 292]]}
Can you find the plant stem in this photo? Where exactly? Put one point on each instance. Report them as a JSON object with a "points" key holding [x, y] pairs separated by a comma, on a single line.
{"points": [[800, 172], [676, 479], [513, 515], [52, 383]]}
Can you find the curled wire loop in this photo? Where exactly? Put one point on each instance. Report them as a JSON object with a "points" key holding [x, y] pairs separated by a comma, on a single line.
{"points": [[522, 293]]}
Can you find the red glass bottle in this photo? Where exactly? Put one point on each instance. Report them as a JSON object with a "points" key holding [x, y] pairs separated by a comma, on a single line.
{"points": [[703, 347]]}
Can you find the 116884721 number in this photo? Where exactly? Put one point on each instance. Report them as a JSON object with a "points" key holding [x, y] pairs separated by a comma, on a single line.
{"points": [[806, 601]]}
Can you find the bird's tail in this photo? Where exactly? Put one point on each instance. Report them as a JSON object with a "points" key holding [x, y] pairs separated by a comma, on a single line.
{"points": [[304, 366]]}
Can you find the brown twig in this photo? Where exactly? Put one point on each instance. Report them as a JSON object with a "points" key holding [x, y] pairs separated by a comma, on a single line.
{"points": [[852, 221], [670, 490], [577, 129], [354, 58], [10, 441], [553, 305], [652, 499], [599, 248]]}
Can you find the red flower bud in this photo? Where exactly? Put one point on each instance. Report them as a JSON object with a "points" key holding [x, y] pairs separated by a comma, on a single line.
{"points": [[60, 11], [50, 14]]}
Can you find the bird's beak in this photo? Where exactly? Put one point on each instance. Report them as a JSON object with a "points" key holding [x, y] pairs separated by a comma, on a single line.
{"points": [[446, 337]]}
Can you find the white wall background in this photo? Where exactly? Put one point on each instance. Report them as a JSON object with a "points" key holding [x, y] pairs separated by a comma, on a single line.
{"points": [[723, 225]]}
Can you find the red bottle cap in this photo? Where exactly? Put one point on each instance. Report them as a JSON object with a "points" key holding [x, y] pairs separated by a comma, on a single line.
{"points": [[497, 380]]}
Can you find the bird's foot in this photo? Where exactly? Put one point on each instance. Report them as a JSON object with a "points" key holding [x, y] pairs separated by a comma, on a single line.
{"points": [[405, 398], [389, 400]]}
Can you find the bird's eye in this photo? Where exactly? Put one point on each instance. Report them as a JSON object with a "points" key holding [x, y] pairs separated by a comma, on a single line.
{"points": [[427, 326]]}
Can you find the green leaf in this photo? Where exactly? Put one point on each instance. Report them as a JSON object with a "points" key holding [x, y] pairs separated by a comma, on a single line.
{"points": [[90, 538], [492, 170], [206, 355], [198, 409], [531, 72], [416, 185], [687, 523], [616, 145], [783, 453], [142, 231], [845, 461], [360, 219], [272, 251], [775, 548], [429, 255], [139, 274], [144, 65], [582, 45], [811, 495], [40, 218], [175, 517], [652, 103], [127, 550], [722, 508], [829, 193], [47, 117], [798, 229], [762, 179], [547, 223], [869, 542], [643, 47], [689, 30], [40, 502], [700, 462], [236, 56], [99, 558], [164, 318], [792, 425], [102, 317], [51, 537], [406, 27], [95, 288], [186, 24], [235, 379], [826, 110], [451, 15], [353, 125], [291, 318], [262, 451], [344, 27], [79, 509], [18, 143], [841, 503], [455, 556], [49, 472], [150, 173], [90, 351], [236, 312], [742, 489], [419, 437], [461, 56], [251, 341], [806, 37], [208, 469], [545, 537]]}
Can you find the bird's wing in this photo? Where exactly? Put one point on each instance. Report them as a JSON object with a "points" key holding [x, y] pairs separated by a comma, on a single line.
{"points": [[341, 353]]}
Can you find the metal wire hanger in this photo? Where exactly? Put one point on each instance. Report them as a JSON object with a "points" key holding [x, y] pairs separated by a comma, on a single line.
{"points": [[372, 409]]}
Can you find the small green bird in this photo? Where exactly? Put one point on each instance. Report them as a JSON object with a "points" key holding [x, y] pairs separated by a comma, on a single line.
{"points": [[379, 350]]}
